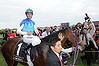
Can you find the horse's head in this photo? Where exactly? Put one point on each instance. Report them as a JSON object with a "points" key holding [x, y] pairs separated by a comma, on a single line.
{"points": [[68, 35]]}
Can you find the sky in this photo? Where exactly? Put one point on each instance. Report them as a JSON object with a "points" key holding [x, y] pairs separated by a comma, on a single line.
{"points": [[47, 12]]}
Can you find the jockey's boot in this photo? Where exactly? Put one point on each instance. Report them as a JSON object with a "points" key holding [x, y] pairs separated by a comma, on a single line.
{"points": [[26, 48]]}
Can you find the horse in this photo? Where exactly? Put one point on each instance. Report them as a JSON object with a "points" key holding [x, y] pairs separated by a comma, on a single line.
{"points": [[8, 48]]}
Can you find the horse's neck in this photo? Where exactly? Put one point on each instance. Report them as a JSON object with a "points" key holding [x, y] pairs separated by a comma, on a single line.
{"points": [[42, 49]]}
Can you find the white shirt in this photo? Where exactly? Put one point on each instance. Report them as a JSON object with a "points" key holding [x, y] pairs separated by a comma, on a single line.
{"points": [[68, 50], [92, 30], [44, 34], [89, 37]]}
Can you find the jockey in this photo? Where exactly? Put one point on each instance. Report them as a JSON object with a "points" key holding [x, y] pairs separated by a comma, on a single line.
{"points": [[27, 29]]}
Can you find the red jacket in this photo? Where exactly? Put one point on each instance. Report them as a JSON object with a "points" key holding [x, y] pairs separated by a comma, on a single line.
{"points": [[96, 38], [11, 35]]}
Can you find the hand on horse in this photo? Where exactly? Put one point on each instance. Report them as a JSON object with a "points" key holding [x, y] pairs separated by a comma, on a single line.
{"points": [[60, 36], [68, 55], [29, 33]]}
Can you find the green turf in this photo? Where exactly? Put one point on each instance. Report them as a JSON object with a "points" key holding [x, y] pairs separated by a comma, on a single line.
{"points": [[2, 61], [79, 62]]}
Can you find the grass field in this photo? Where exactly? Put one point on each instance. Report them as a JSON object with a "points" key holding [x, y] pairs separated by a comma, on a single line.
{"points": [[78, 63], [2, 61]]}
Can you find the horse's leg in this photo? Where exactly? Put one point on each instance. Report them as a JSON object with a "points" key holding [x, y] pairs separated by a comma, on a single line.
{"points": [[7, 59], [10, 63]]}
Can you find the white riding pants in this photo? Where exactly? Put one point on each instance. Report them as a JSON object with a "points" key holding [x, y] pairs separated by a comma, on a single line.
{"points": [[34, 40]]}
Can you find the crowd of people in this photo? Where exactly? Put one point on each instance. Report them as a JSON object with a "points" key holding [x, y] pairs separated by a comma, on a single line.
{"points": [[86, 31], [8, 34]]}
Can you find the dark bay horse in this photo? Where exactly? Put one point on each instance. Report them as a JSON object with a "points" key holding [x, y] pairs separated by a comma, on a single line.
{"points": [[41, 49]]}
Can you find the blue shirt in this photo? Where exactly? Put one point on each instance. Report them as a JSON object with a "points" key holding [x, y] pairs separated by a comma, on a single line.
{"points": [[28, 25]]}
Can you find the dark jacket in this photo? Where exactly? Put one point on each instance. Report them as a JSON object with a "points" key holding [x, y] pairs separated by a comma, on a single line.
{"points": [[52, 59]]}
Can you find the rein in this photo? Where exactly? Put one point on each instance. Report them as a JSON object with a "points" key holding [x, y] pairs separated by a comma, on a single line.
{"points": [[75, 50]]}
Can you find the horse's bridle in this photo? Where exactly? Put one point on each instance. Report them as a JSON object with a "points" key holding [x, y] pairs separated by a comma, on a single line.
{"points": [[76, 48]]}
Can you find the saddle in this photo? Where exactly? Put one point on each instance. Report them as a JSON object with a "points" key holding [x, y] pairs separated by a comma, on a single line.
{"points": [[20, 53]]}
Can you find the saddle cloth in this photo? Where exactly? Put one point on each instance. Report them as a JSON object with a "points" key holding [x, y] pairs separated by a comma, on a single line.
{"points": [[21, 45]]}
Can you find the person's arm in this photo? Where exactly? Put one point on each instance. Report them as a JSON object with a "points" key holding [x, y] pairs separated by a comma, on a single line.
{"points": [[19, 30], [91, 38], [86, 25], [43, 35], [81, 40], [68, 50], [36, 30], [94, 29]]}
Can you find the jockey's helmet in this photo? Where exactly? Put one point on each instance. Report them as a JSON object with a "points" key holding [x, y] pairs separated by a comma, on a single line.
{"points": [[29, 11]]}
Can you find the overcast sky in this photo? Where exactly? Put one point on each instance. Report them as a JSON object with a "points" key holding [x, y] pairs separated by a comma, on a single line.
{"points": [[47, 12]]}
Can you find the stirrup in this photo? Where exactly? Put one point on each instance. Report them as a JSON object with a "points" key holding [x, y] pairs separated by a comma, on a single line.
{"points": [[18, 58]]}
